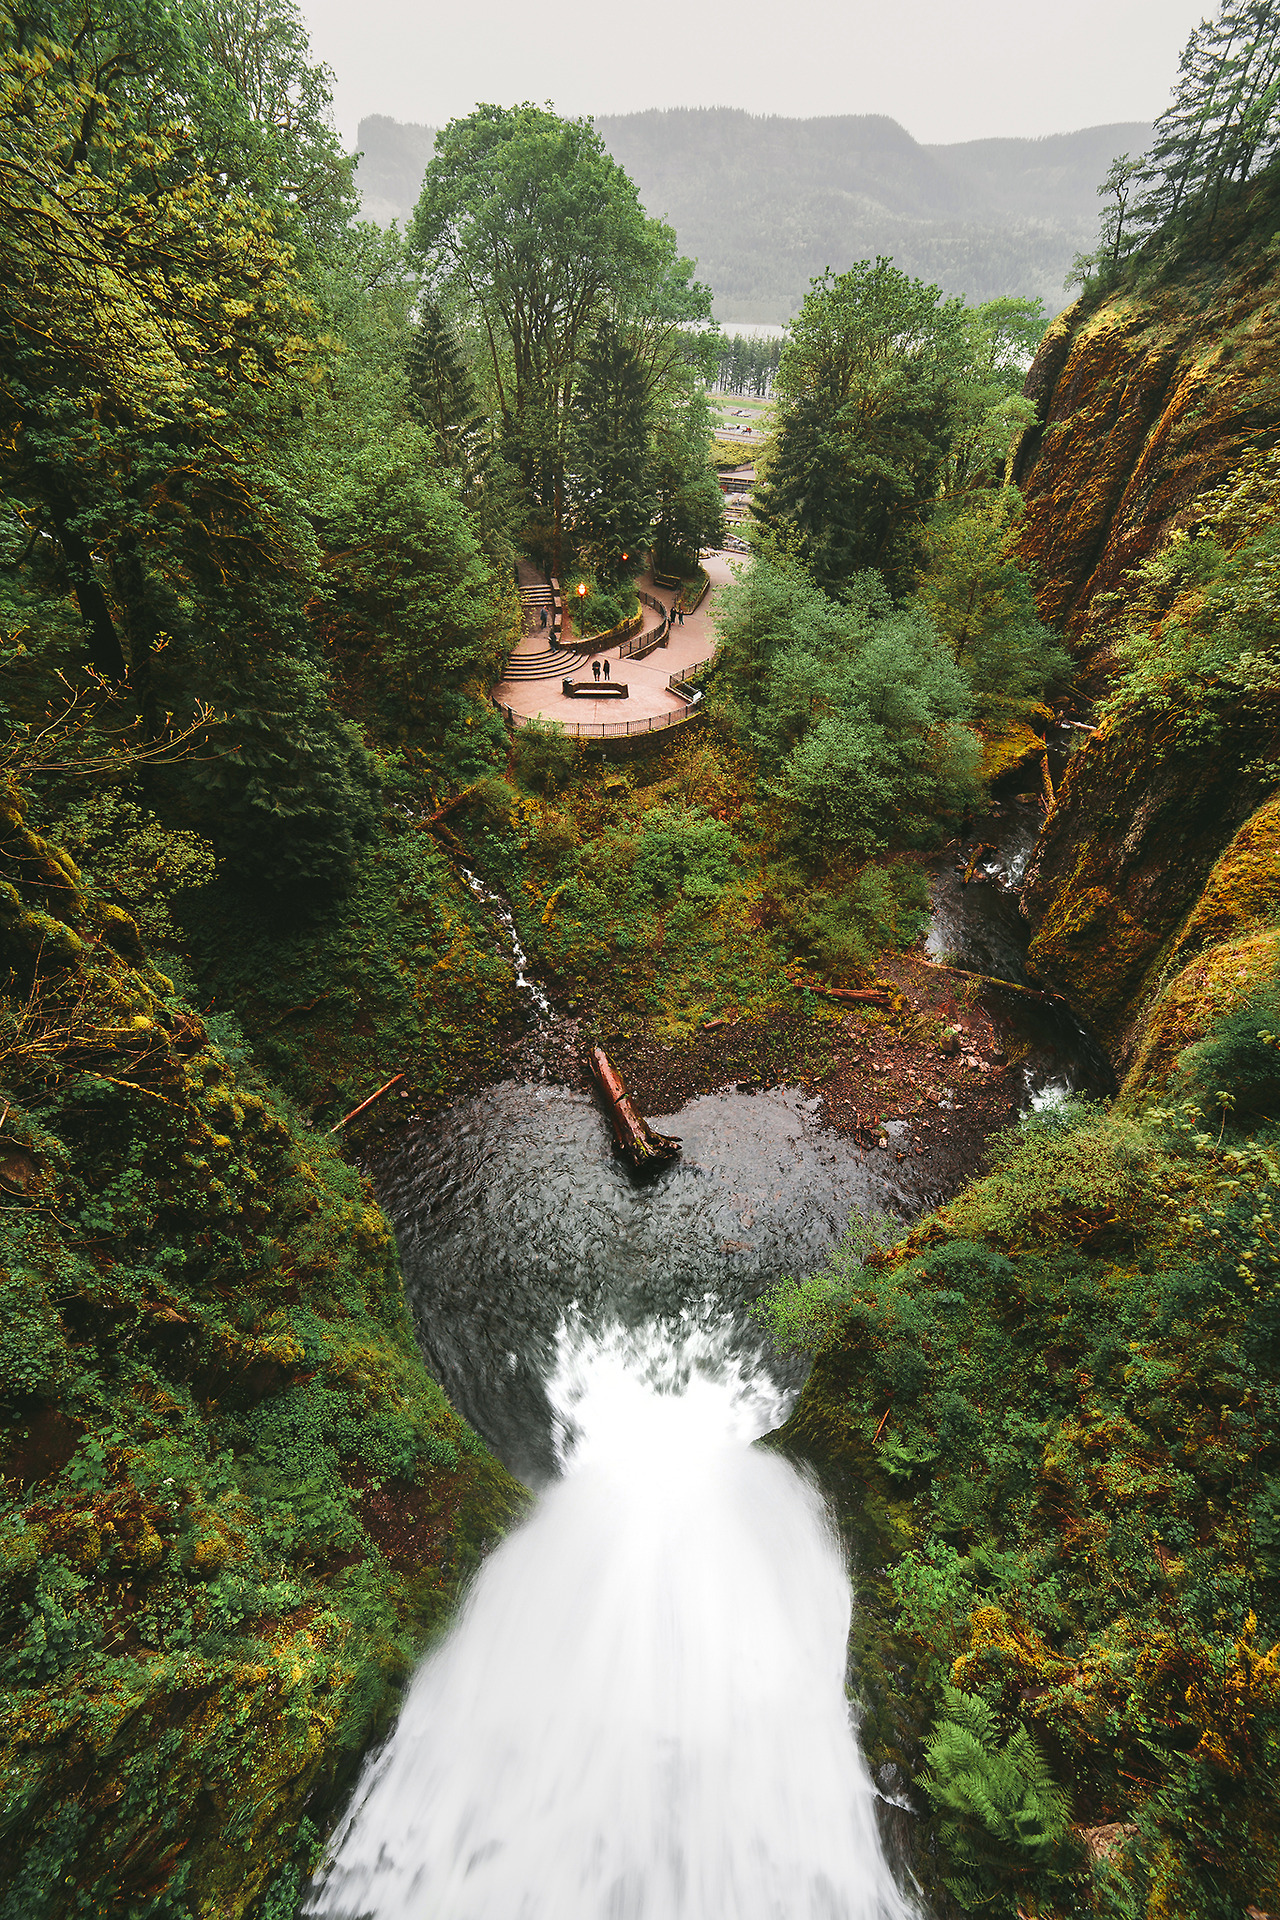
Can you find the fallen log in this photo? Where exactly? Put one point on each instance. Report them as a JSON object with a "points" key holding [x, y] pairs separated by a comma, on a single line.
{"points": [[1046, 782], [433, 819], [636, 1139], [1042, 995], [366, 1103], [974, 858], [850, 996]]}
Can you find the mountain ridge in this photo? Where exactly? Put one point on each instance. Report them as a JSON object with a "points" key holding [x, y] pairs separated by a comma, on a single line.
{"points": [[765, 202]]}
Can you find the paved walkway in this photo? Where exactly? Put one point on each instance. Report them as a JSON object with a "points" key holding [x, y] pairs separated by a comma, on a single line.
{"points": [[646, 679]]}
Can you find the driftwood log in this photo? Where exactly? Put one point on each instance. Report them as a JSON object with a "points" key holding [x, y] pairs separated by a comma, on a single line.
{"points": [[974, 859], [636, 1139], [849, 996], [1041, 995]]}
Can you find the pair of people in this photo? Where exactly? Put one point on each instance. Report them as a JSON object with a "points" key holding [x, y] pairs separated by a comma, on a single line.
{"points": [[595, 668]]}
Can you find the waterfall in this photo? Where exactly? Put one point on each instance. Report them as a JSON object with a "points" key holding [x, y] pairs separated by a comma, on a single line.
{"points": [[525, 986], [640, 1713]]}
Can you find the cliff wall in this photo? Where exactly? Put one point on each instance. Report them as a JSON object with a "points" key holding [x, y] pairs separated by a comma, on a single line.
{"points": [[1150, 400], [1146, 399]]}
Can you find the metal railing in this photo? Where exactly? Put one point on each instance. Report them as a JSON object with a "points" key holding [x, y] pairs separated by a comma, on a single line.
{"points": [[642, 643], [606, 729], [690, 672], [624, 729]]}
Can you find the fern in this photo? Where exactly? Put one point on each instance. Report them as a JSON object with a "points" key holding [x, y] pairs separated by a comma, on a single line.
{"points": [[1001, 1816]]}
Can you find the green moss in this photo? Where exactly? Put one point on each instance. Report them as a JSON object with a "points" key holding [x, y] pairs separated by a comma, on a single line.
{"points": [[1244, 885], [1009, 748], [235, 1504], [1048, 1422], [1089, 938], [1185, 1010]]}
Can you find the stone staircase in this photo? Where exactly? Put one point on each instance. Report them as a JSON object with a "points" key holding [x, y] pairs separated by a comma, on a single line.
{"points": [[533, 657], [536, 601], [530, 662]]}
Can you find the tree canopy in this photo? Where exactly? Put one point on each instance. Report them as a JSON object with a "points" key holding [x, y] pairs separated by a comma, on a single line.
{"points": [[528, 226], [1220, 130], [891, 395]]}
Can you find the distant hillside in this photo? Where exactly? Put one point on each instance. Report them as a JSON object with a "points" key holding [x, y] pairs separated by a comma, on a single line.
{"points": [[765, 203]]}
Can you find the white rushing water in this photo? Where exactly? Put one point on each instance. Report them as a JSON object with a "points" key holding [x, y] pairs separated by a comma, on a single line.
{"points": [[640, 1713], [519, 958]]}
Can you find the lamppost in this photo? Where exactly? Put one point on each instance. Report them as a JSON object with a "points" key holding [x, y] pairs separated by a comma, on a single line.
{"points": [[582, 600]]}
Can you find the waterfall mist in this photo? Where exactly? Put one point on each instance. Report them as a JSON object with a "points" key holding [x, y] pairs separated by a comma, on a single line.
{"points": [[640, 1713]]}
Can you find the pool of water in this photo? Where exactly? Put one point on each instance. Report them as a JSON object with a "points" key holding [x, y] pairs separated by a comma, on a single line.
{"points": [[514, 1214]]}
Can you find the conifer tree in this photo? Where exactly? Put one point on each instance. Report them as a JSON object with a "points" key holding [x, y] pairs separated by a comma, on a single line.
{"points": [[443, 392], [611, 484], [1221, 128]]}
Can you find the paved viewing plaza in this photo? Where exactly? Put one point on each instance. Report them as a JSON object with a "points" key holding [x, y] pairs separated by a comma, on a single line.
{"points": [[649, 696]]}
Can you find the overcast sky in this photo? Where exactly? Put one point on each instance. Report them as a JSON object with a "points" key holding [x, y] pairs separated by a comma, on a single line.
{"points": [[947, 69]]}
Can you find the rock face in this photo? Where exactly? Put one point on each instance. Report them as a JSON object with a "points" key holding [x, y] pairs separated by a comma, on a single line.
{"points": [[1147, 401], [1132, 839]]}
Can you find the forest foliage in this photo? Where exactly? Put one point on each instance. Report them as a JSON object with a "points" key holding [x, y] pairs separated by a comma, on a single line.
{"points": [[267, 472], [1061, 1393], [1218, 134]]}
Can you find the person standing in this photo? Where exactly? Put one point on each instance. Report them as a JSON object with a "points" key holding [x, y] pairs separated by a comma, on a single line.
{"points": [[606, 669], [680, 615], [595, 668], [544, 619]]}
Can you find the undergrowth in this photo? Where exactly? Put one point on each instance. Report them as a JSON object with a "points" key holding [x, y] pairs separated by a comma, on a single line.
{"points": [[1054, 1411], [234, 1503]]}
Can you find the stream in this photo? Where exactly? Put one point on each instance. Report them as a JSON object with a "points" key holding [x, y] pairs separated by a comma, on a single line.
{"points": [[640, 1712]]}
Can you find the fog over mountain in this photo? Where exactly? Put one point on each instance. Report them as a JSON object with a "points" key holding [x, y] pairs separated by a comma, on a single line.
{"points": [[764, 203]]}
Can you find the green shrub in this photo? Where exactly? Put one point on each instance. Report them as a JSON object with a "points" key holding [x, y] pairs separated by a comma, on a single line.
{"points": [[1235, 1070], [798, 1315], [544, 756], [33, 1351], [844, 928], [149, 864]]}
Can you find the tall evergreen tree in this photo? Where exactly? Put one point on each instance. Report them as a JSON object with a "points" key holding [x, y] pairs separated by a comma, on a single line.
{"points": [[1220, 129], [611, 481], [542, 234], [869, 379], [443, 392]]}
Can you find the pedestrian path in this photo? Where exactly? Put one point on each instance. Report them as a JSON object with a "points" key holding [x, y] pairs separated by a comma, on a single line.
{"points": [[649, 697], [534, 658]]}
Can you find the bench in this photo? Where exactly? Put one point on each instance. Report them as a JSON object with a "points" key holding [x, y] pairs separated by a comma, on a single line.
{"points": [[594, 689]]}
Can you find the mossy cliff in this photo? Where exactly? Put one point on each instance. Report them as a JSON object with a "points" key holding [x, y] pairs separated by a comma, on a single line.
{"points": [[1146, 398], [1133, 837], [1152, 502], [235, 1505]]}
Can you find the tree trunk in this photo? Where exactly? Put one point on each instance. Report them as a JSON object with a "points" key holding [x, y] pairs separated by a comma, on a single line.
{"points": [[636, 1139], [105, 650], [142, 624], [850, 996]]}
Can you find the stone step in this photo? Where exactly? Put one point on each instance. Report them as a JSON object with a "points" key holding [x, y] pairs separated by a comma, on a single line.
{"points": [[540, 669]]}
